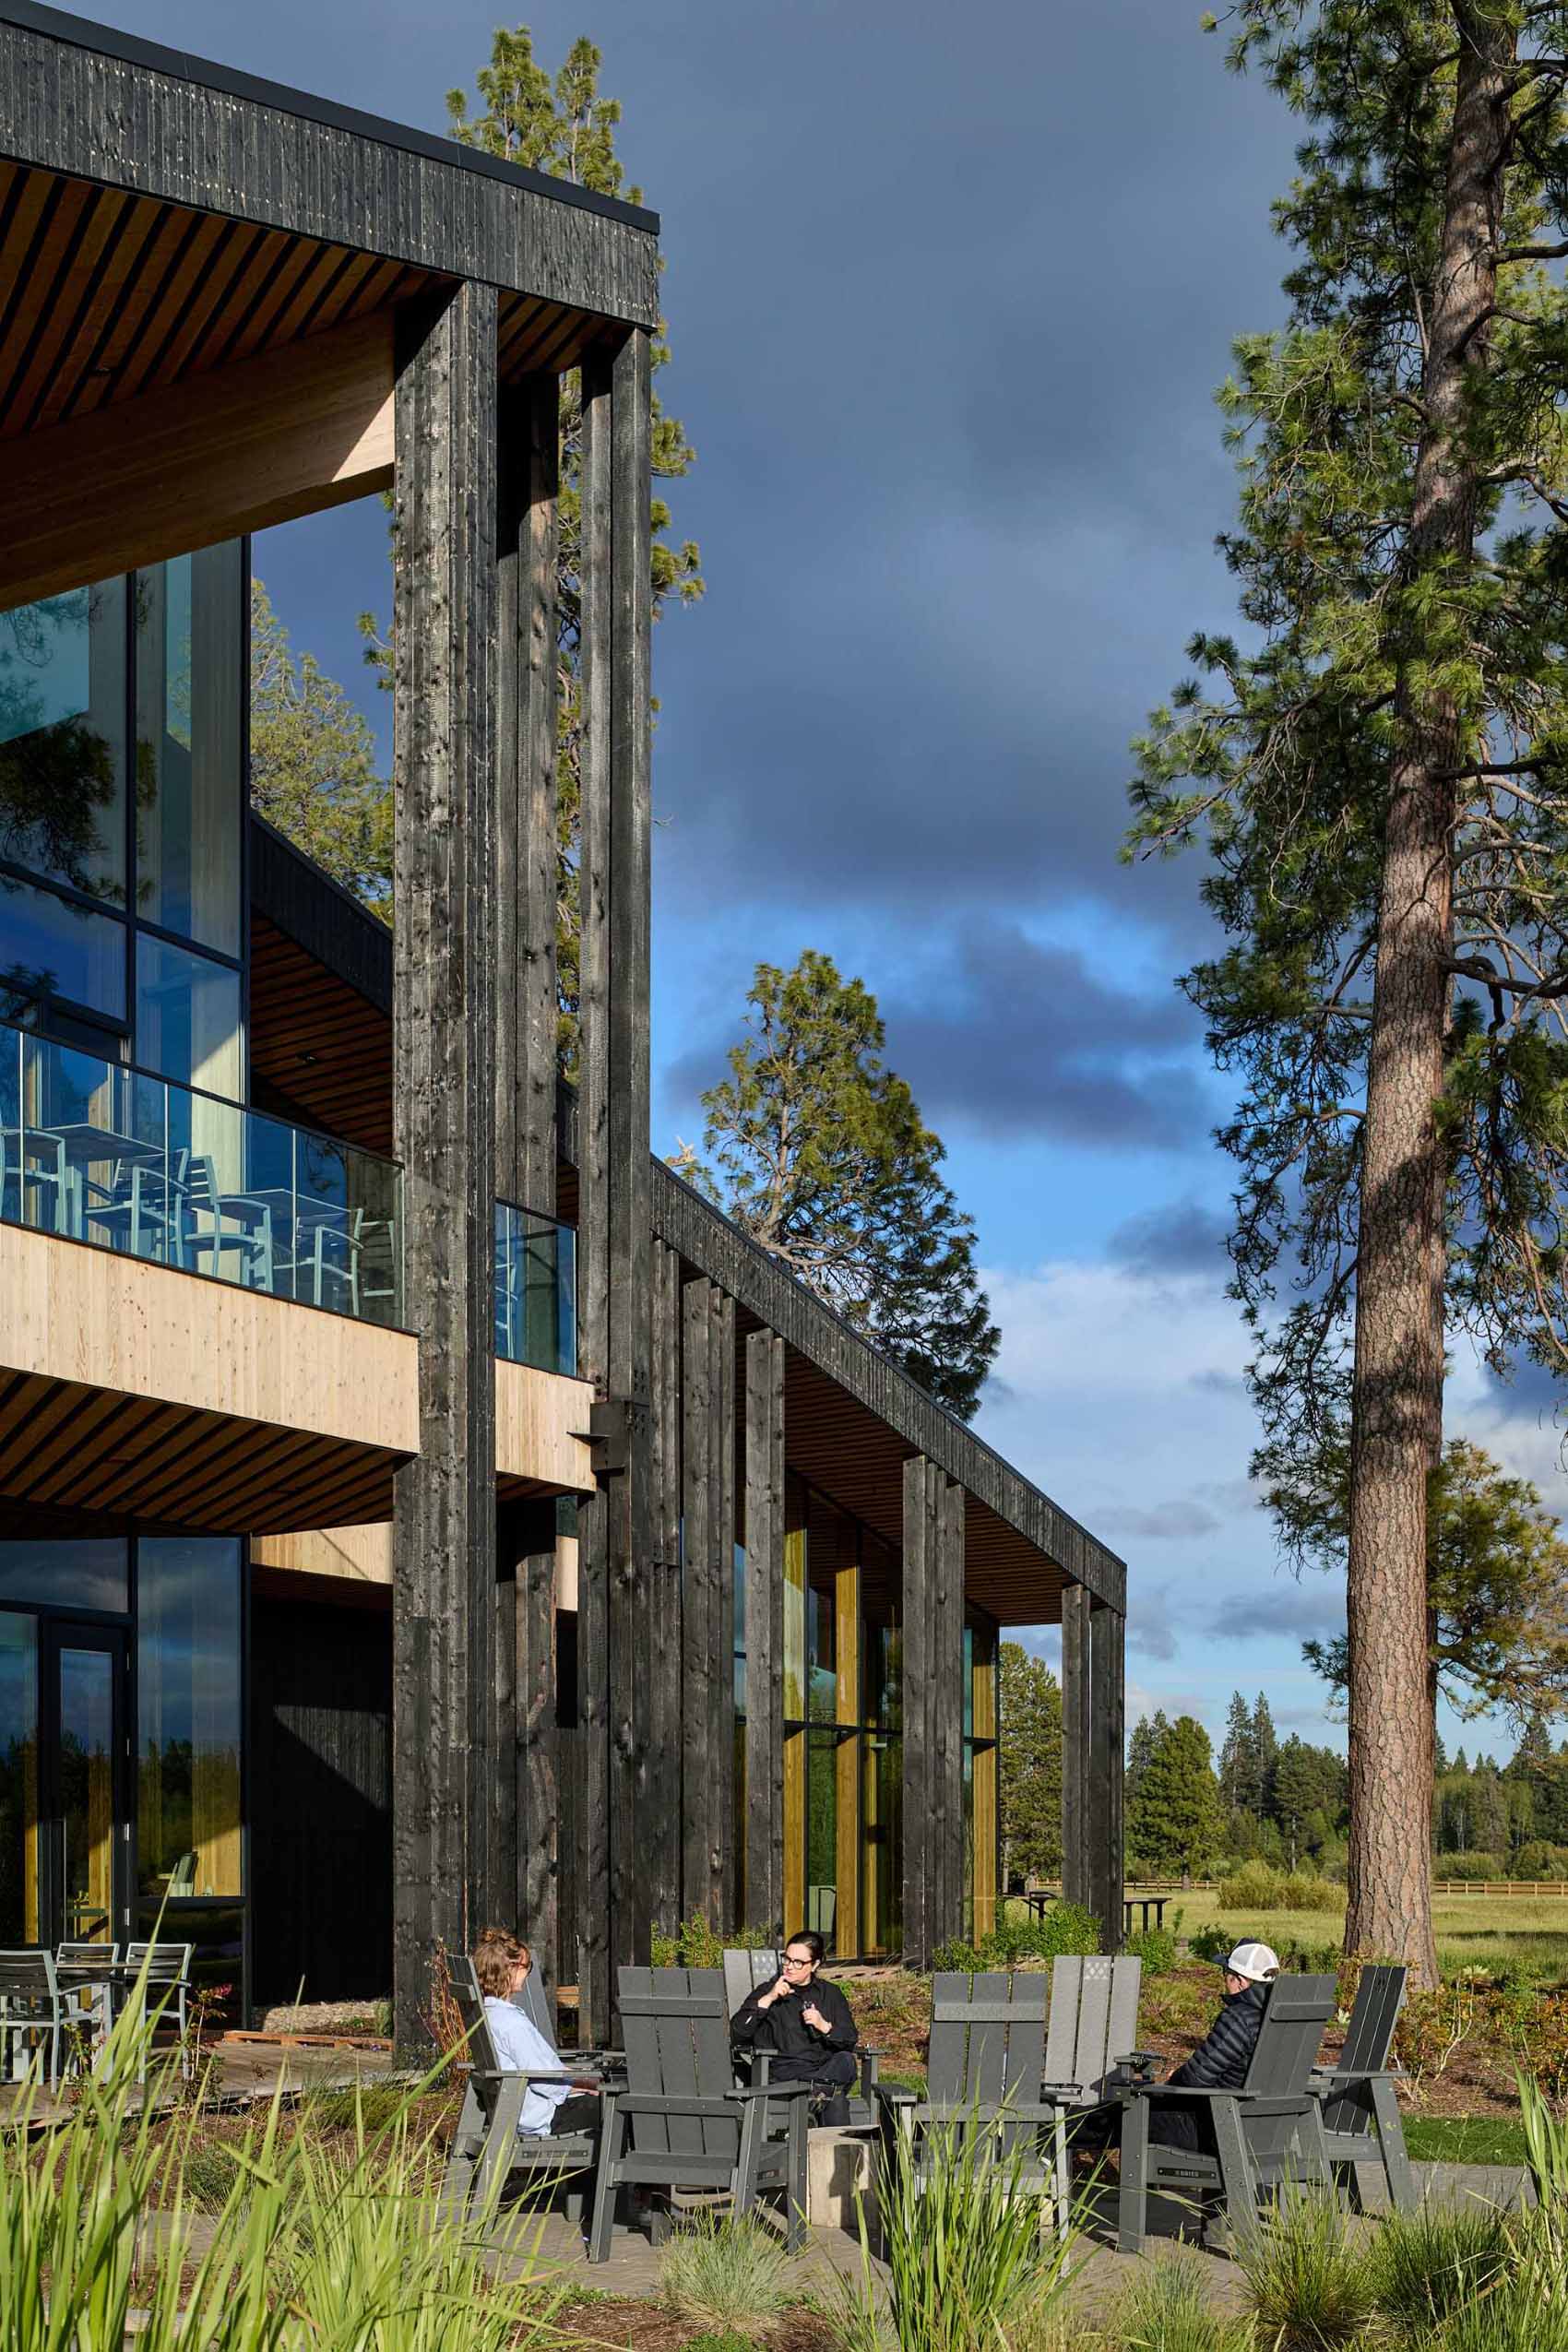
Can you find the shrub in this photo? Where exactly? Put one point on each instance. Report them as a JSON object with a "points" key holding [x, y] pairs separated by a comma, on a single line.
{"points": [[1308, 2283], [725, 2276], [695, 1944], [956, 1953], [1431, 2025], [1537, 1860], [1156, 1947], [1068, 1927], [1468, 1865], [1211, 1942], [1425, 2264], [1254, 1887], [1306, 1891]]}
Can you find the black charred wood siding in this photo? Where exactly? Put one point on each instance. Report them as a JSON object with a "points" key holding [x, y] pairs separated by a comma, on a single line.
{"points": [[321, 1802]]}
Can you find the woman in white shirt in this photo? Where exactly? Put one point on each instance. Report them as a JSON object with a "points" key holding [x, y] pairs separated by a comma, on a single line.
{"points": [[502, 1964]]}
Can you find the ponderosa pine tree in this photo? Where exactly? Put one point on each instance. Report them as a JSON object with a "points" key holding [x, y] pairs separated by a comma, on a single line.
{"points": [[820, 1153], [1377, 773]]}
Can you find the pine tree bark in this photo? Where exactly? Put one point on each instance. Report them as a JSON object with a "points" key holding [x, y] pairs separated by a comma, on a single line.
{"points": [[1396, 1415]]}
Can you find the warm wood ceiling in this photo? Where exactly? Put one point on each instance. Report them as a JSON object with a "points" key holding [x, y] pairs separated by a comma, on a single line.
{"points": [[105, 295], [320, 1050], [65, 1443]]}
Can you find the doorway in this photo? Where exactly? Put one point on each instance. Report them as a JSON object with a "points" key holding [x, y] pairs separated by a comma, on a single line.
{"points": [[64, 1816]]}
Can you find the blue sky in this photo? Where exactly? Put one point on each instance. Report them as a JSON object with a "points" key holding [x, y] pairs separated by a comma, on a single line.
{"points": [[949, 294]]}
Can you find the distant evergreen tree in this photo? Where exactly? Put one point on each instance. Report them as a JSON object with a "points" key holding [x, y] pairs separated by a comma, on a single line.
{"points": [[1266, 1755], [1029, 1774], [1173, 1819], [1237, 1774]]}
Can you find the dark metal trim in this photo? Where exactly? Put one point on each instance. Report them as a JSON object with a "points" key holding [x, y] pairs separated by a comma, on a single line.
{"points": [[179, 65]]}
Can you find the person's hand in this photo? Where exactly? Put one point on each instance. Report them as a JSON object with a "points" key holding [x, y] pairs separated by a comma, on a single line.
{"points": [[779, 1990], [814, 2017]]}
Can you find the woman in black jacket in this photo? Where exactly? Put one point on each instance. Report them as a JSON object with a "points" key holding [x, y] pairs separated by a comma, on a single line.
{"points": [[805, 2022]]}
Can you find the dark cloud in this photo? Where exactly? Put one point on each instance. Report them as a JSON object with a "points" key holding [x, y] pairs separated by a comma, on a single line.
{"points": [[1180, 1237], [1015, 1039], [1307, 1609]]}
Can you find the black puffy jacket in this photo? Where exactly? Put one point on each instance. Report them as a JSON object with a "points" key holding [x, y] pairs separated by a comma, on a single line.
{"points": [[1221, 2059]]}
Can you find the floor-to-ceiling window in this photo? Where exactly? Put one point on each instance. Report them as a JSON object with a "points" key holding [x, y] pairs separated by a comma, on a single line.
{"points": [[113, 1647], [980, 1776], [122, 798]]}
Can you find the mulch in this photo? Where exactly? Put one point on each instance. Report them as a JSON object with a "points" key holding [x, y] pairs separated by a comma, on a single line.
{"points": [[632, 2326]]}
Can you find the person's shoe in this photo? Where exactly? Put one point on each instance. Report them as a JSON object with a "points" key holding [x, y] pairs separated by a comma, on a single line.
{"points": [[834, 2112]]}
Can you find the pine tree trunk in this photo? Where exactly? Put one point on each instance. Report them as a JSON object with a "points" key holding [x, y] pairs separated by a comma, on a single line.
{"points": [[1396, 1420]]}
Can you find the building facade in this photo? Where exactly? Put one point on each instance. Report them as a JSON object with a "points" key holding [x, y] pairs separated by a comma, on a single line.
{"points": [[416, 1505]]}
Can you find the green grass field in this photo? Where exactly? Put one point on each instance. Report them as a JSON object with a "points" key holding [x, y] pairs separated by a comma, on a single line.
{"points": [[1473, 1931]]}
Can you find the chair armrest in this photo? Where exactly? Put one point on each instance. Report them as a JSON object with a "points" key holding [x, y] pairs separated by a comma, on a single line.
{"points": [[525, 2074], [1322, 2078], [771, 2090], [1140, 2057], [895, 2094]]}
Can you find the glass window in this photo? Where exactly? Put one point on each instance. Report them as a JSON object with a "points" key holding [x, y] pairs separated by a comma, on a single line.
{"points": [[821, 1833], [18, 1780], [63, 738], [51, 947], [188, 1715], [90, 1572], [218, 1961], [187, 1017], [190, 679], [882, 1845]]}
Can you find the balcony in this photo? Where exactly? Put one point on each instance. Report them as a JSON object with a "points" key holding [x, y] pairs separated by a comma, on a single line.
{"points": [[93, 1151]]}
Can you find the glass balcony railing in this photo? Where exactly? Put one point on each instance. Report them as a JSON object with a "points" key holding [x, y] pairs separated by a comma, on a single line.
{"points": [[127, 1162], [536, 1290]]}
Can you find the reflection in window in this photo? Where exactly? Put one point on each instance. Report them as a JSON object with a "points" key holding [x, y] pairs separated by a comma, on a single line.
{"points": [[187, 1017], [63, 738], [18, 1780], [86, 1571], [188, 1715], [52, 948], [190, 641]]}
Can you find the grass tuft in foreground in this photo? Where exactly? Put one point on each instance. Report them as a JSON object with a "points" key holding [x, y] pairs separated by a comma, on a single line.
{"points": [[1307, 2282], [727, 2277]]}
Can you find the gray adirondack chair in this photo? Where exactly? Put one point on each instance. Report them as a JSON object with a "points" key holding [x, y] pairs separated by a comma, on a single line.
{"points": [[744, 1972], [487, 2142], [1089, 2047], [1360, 2113], [680, 2120], [983, 2073], [1267, 2134]]}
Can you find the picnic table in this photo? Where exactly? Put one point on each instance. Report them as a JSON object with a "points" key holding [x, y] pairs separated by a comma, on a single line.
{"points": [[1035, 1898]]}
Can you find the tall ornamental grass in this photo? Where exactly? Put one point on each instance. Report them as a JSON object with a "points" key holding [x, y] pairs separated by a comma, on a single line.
{"points": [[309, 2249], [972, 2255]]}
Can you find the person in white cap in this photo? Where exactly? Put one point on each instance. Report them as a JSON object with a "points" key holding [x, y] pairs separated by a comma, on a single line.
{"points": [[1222, 2059]]}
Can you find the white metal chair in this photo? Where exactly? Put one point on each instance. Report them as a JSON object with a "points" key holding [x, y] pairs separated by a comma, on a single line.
{"points": [[31, 2011], [162, 1972]]}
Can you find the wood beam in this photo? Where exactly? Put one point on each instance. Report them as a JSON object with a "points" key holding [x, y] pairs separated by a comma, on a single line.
{"points": [[1076, 1716], [659, 1886], [763, 1540], [526, 1018], [261, 442], [1107, 1631], [443, 1030], [613, 1225]]}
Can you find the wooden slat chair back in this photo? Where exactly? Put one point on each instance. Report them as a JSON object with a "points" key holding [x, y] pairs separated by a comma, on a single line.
{"points": [[987, 2042], [682, 2121], [744, 1971], [982, 2075], [1094, 2025], [1361, 2111], [165, 1989], [534, 2002], [31, 2013], [1267, 2133], [487, 2142]]}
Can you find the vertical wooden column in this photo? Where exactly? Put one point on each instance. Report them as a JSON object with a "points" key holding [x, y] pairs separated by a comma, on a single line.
{"points": [[614, 1528], [1076, 1716], [986, 1841], [526, 1796], [659, 1890], [719, 1901], [526, 1017], [698, 1663], [1107, 1631], [934, 1701], [847, 1935], [444, 1033], [764, 1538]]}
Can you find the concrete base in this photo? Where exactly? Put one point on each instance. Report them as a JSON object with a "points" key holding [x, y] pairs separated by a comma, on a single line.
{"points": [[840, 2170]]}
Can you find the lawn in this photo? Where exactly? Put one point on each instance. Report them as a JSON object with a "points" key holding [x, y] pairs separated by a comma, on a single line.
{"points": [[1493, 1932]]}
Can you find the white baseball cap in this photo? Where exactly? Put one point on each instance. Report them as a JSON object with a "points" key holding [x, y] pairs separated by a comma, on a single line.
{"points": [[1253, 1961]]}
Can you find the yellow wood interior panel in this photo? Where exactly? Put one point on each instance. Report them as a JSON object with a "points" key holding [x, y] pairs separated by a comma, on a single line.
{"points": [[794, 1832], [847, 1756], [984, 1842]]}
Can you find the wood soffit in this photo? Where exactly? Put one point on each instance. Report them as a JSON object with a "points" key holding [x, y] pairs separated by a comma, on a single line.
{"points": [[84, 100], [106, 296]]}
